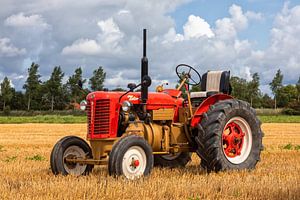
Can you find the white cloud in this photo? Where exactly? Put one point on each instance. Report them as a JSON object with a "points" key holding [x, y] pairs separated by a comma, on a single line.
{"points": [[122, 12], [110, 35], [227, 28], [171, 36], [238, 18], [107, 41], [21, 20], [118, 79], [197, 27], [254, 15], [7, 49], [284, 50], [82, 46]]}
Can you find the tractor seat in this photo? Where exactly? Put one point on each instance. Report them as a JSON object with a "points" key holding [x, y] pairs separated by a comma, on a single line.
{"points": [[213, 82]]}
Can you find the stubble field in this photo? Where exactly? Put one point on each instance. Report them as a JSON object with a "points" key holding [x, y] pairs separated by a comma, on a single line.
{"points": [[25, 172]]}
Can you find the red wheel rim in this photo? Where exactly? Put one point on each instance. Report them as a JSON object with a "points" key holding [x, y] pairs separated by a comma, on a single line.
{"points": [[237, 140], [233, 138]]}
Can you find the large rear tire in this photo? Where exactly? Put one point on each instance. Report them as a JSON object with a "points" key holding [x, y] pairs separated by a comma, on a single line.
{"points": [[172, 160], [70, 147], [131, 157], [229, 137]]}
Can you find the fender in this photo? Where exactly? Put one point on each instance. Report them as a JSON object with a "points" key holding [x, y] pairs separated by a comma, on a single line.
{"points": [[205, 105]]}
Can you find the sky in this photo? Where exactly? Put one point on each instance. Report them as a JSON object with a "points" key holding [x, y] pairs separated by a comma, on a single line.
{"points": [[241, 36]]}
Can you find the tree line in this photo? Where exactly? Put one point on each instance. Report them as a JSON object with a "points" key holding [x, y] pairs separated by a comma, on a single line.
{"points": [[284, 96], [53, 94]]}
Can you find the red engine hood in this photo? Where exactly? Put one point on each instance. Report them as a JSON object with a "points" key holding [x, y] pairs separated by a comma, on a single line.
{"points": [[155, 101]]}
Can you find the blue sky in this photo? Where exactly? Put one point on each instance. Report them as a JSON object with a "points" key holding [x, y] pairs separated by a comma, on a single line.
{"points": [[241, 36], [211, 10]]}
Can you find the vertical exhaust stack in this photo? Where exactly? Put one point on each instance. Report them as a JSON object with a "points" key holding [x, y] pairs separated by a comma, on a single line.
{"points": [[145, 79], [144, 70]]}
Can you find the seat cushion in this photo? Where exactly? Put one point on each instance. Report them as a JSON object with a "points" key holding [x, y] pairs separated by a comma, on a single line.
{"points": [[203, 94], [198, 94]]}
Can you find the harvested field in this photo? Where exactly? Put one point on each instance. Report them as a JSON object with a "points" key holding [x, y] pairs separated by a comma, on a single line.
{"points": [[25, 173]]}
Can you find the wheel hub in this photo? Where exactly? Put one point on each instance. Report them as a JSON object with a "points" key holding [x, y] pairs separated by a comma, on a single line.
{"points": [[233, 138], [135, 163], [74, 168]]}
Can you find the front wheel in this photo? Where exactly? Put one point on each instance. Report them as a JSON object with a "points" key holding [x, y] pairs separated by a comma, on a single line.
{"points": [[229, 137], [131, 157], [70, 147]]}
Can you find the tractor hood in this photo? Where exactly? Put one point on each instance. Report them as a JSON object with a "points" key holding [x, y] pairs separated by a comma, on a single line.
{"points": [[156, 100]]}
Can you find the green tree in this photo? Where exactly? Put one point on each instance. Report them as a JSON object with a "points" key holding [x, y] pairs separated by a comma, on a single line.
{"points": [[253, 90], [32, 85], [54, 85], [239, 88], [76, 93], [97, 80], [266, 101], [275, 86], [6, 92], [286, 94], [19, 101], [298, 89]]}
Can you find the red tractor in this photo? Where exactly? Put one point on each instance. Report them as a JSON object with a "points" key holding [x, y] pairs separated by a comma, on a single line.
{"points": [[133, 131]]}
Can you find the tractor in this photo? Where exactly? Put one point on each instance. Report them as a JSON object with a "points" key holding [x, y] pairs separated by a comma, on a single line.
{"points": [[133, 131]]}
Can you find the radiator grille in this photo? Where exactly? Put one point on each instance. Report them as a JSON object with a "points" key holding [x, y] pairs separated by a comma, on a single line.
{"points": [[101, 117]]}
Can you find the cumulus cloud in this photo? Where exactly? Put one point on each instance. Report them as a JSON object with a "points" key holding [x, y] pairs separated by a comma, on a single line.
{"points": [[284, 50], [82, 46], [227, 28], [110, 35], [107, 41], [197, 27], [7, 49], [21, 20], [254, 15], [238, 18]]}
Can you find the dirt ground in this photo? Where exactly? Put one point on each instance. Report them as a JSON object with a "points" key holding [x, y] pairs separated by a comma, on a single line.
{"points": [[25, 172]]}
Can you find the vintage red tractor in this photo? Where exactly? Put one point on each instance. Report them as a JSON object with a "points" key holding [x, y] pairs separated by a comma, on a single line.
{"points": [[133, 131]]}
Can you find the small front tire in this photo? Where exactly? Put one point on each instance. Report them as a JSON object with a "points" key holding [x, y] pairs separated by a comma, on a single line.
{"points": [[131, 157], [70, 147]]}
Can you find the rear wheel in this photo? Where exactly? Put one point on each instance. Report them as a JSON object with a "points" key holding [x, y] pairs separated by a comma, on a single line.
{"points": [[70, 147], [131, 157], [172, 160], [229, 137]]}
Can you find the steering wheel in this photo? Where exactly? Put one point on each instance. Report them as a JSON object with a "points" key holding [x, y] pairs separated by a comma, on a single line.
{"points": [[186, 71]]}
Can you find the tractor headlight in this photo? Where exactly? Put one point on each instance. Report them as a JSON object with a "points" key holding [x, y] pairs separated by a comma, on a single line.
{"points": [[83, 105], [126, 106]]}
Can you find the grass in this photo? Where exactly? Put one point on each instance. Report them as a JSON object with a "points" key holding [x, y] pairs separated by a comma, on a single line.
{"points": [[279, 118], [275, 177], [70, 119], [36, 158], [10, 158], [55, 119], [289, 146]]}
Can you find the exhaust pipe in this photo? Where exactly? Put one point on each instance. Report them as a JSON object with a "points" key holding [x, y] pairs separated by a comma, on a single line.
{"points": [[145, 79], [144, 70]]}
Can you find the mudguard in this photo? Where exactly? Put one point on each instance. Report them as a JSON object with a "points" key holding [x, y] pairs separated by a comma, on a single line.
{"points": [[204, 106]]}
